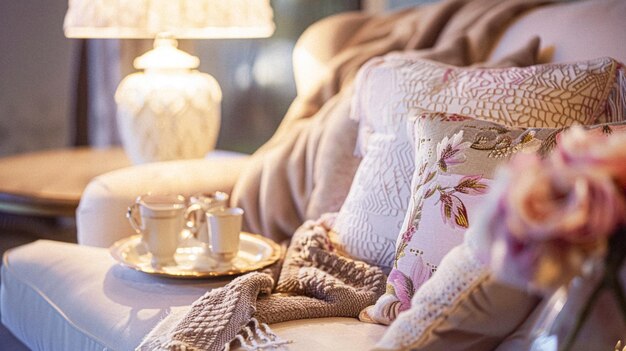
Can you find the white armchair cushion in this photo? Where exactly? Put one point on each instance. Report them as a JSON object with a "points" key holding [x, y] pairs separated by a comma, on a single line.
{"points": [[59, 296], [100, 216], [77, 298]]}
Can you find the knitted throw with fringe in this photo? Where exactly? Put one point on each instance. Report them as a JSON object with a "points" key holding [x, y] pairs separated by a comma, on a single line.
{"points": [[313, 282]]}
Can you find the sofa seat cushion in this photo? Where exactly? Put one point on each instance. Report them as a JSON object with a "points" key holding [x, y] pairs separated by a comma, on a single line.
{"points": [[59, 296]]}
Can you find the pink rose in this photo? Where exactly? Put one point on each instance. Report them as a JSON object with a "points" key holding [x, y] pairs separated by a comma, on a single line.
{"points": [[546, 201], [549, 218], [598, 149]]}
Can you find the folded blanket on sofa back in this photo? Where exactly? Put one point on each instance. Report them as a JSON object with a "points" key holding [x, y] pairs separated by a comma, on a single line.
{"points": [[307, 167]]}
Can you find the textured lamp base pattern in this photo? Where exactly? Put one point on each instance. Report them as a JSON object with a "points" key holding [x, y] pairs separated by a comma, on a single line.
{"points": [[168, 115]]}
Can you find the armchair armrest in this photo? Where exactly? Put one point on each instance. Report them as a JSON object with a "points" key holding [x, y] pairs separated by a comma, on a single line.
{"points": [[100, 216]]}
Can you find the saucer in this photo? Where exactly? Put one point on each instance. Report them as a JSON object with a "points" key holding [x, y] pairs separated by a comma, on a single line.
{"points": [[192, 260]]}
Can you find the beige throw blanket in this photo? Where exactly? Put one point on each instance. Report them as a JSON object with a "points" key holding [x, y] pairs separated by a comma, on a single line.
{"points": [[307, 167], [314, 282]]}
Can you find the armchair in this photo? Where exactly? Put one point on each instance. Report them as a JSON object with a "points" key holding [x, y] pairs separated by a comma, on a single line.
{"points": [[106, 197], [58, 296]]}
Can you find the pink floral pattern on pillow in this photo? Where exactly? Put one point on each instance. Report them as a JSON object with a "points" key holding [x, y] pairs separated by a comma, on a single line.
{"points": [[450, 152], [457, 157]]}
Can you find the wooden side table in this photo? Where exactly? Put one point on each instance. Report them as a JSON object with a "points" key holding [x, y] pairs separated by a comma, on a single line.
{"points": [[50, 183]]}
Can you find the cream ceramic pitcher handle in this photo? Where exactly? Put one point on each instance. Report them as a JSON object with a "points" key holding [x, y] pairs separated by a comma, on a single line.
{"points": [[192, 220]]}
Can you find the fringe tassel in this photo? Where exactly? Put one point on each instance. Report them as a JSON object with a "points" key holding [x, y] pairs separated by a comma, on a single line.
{"points": [[176, 345], [257, 337]]}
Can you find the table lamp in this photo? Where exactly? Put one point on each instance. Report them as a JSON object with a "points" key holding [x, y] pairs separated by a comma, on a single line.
{"points": [[170, 110]]}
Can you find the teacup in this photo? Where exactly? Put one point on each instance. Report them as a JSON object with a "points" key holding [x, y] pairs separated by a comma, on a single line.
{"points": [[202, 203], [160, 220], [224, 227]]}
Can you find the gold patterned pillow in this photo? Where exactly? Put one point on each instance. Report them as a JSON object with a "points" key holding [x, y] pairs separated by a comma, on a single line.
{"points": [[547, 95]]}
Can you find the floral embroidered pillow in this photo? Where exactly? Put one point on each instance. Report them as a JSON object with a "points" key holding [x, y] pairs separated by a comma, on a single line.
{"points": [[463, 306], [456, 157], [387, 88]]}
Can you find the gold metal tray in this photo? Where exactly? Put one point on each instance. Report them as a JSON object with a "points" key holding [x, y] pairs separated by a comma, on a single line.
{"points": [[193, 261]]}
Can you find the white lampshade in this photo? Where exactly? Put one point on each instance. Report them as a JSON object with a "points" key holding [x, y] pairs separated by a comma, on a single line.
{"points": [[183, 19]]}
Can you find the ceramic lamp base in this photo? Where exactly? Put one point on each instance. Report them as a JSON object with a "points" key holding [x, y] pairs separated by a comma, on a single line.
{"points": [[170, 110], [168, 115]]}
